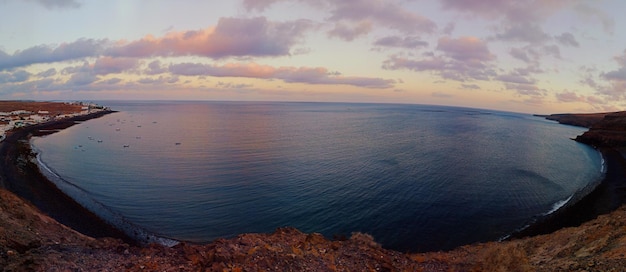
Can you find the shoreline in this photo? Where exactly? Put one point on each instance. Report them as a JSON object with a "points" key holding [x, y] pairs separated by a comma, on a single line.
{"points": [[31, 240], [21, 176], [605, 134], [607, 196], [27, 181]]}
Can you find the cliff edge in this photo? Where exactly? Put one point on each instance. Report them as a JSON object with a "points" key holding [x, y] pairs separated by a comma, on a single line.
{"points": [[610, 132], [576, 119]]}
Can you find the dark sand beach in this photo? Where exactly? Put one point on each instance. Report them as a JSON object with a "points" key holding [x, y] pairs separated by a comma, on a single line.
{"points": [[606, 197], [21, 176]]}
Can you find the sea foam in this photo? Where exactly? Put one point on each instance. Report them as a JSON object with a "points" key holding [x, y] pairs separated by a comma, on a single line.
{"points": [[556, 206]]}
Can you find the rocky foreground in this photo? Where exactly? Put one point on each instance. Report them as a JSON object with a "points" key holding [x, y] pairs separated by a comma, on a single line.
{"points": [[32, 241]]}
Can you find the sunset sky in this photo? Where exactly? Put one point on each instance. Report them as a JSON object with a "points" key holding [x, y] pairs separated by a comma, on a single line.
{"points": [[526, 56]]}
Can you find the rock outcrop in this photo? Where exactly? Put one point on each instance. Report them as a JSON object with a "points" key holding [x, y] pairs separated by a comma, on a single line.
{"points": [[609, 132], [580, 119], [605, 129]]}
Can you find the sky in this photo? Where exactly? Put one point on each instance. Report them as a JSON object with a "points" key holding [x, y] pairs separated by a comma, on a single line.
{"points": [[531, 56]]}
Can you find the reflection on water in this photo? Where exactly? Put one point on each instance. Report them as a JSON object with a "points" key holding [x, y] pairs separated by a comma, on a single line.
{"points": [[415, 177]]}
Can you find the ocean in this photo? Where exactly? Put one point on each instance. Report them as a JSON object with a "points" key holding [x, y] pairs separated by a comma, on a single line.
{"points": [[416, 177]]}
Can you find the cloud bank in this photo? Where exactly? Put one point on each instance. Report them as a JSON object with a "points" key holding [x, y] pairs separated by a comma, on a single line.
{"points": [[473, 46]]}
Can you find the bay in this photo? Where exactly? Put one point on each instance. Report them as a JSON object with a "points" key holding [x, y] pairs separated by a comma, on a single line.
{"points": [[416, 177]]}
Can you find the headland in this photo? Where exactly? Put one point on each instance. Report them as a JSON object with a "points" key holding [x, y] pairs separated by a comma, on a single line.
{"points": [[576, 119], [41, 229]]}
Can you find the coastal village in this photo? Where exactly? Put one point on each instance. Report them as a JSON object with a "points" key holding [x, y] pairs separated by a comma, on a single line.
{"points": [[16, 114]]}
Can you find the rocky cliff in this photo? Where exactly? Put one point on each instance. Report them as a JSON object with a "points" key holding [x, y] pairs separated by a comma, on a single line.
{"points": [[610, 132], [580, 119]]}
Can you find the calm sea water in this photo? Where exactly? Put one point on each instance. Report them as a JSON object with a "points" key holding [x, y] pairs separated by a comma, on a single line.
{"points": [[415, 177]]}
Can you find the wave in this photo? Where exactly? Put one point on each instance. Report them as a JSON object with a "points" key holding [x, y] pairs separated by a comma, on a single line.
{"points": [[536, 219], [582, 192], [45, 167], [559, 204], [602, 165], [571, 200], [83, 197]]}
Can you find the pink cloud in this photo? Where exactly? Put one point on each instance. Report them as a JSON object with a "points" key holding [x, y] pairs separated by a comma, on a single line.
{"points": [[409, 42], [444, 67], [468, 59], [616, 80], [534, 54], [465, 49], [231, 37], [465, 58], [308, 75], [396, 62], [158, 81], [82, 78], [571, 96], [48, 73], [349, 33], [155, 68], [38, 85], [109, 65], [524, 54], [521, 20], [523, 32], [595, 100], [84, 68], [520, 80], [228, 70], [620, 73], [617, 75], [47, 54], [258, 5], [589, 81], [230, 85], [14, 77], [511, 10], [513, 78], [552, 50], [487, 8], [111, 81], [525, 89], [384, 13]]}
